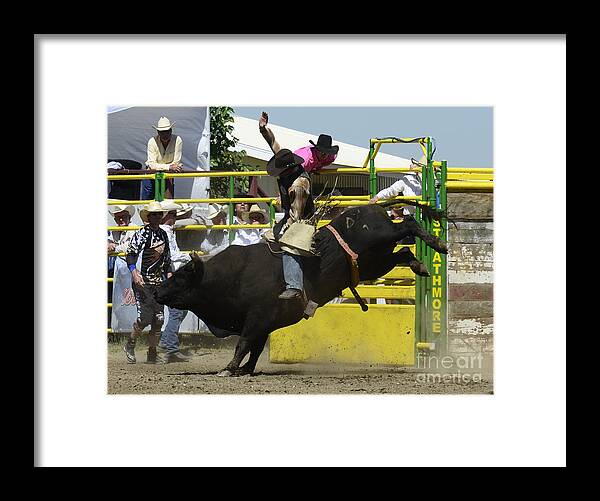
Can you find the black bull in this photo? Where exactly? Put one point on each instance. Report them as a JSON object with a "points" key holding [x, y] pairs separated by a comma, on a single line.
{"points": [[236, 292]]}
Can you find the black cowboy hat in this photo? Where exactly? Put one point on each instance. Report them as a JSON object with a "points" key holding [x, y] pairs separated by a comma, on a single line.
{"points": [[281, 161], [324, 145]]}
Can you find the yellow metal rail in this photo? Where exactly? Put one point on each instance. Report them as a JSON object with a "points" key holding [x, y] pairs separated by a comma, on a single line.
{"points": [[217, 173], [197, 227], [114, 177], [196, 200], [458, 186], [123, 254], [465, 176]]}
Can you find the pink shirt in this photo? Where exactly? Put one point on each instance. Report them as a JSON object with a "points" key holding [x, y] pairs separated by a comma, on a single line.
{"points": [[311, 162]]}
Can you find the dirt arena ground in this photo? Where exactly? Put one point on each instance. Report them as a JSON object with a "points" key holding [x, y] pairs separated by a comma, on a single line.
{"points": [[199, 376]]}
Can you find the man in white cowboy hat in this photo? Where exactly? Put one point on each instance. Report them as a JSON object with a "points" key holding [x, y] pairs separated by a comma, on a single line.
{"points": [[314, 158], [152, 243], [169, 339], [118, 241], [298, 204], [250, 236], [216, 240], [163, 154]]}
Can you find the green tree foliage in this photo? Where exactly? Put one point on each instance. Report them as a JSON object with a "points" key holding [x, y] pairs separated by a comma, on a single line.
{"points": [[222, 156]]}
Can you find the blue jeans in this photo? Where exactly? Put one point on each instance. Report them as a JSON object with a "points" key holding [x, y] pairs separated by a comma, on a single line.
{"points": [[169, 340], [292, 272], [147, 189]]}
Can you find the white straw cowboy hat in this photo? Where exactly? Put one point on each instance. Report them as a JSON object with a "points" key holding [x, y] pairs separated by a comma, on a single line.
{"points": [[214, 210], [114, 209], [254, 209], [152, 207], [164, 124], [183, 210]]}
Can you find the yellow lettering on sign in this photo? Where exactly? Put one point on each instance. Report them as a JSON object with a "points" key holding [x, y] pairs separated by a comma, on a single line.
{"points": [[437, 304], [436, 316], [436, 327], [437, 280], [437, 231], [437, 268], [436, 291], [437, 258]]}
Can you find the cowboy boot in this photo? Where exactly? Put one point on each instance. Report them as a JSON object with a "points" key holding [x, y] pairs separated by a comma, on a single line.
{"points": [[152, 357]]}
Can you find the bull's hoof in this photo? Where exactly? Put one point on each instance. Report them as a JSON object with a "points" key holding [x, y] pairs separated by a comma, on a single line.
{"points": [[225, 373], [419, 268]]}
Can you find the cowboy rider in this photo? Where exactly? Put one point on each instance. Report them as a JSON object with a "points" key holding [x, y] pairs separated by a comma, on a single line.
{"points": [[314, 158], [297, 203]]}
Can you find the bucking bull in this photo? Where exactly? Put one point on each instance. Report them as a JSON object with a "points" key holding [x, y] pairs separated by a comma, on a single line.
{"points": [[235, 292]]}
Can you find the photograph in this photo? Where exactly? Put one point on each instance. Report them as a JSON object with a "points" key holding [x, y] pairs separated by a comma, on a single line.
{"points": [[300, 250], [320, 267]]}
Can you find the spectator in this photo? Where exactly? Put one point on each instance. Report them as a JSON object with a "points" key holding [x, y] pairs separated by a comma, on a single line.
{"points": [[216, 240], [127, 189], [118, 242], [164, 154], [254, 215], [408, 185], [314, 157], [298, 204], [152, 243], [239, 209], [169, 340]]}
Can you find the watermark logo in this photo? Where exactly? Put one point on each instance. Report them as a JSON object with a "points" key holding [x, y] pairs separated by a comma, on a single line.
{"points": [[449, 369]]}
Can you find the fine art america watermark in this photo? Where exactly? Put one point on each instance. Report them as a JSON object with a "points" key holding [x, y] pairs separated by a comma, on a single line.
{"points": [[449, 369]]}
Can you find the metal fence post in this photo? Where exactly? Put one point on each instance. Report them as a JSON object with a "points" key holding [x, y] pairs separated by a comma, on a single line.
{"points": [[231, 207], [159, 186]]}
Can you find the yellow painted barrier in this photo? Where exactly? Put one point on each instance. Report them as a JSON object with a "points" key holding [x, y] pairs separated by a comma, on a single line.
{"points": [[382, 291], [343, 333], [399, 273]]}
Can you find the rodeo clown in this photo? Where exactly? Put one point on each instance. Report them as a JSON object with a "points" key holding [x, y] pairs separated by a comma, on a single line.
{"points": [[152, 243], [298, 205]]}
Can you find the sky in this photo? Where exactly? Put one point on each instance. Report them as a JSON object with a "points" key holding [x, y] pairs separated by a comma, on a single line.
{"points": [[463, 135]]}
